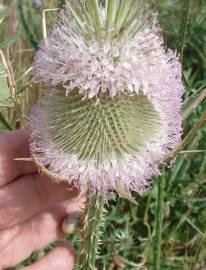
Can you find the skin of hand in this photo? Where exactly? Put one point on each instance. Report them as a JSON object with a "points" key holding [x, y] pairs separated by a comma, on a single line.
{"points": [[32, 209]]}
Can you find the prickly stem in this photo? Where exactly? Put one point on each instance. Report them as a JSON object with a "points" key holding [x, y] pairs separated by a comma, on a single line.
{"points": [[91, 231]]}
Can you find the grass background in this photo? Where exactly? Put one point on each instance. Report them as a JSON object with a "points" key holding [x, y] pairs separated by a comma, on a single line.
{"points": [[129, 233]]}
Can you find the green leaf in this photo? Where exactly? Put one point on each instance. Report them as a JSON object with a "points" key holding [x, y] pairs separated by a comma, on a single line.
{"points": [[6, 42], [25, 25], [3, 12], [4, 122], [5, 100], [192, 103]]}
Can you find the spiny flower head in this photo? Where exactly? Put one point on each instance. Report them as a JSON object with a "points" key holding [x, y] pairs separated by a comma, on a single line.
{"points": [[113, 111], [98, 49]]}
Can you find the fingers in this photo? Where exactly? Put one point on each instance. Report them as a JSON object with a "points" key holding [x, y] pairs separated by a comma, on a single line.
{"points": [[14, 145], [62, 258], [17, 243], [28, 195]]}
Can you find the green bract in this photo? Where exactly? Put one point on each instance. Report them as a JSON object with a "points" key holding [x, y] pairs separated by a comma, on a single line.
{"points": [[122, 125], [118, 17]]}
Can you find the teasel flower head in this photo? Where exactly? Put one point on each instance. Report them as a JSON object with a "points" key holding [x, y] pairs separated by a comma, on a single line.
{"points": [[113, 111]]}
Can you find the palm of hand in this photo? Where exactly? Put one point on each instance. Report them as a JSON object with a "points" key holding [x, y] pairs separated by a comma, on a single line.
{"points": [[32, 208]]}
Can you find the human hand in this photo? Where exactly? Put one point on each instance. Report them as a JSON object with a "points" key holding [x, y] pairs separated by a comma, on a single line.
{"points": [[32, 209]]}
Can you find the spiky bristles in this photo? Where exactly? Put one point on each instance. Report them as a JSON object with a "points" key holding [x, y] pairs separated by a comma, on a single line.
{"points": [[115, 113], [91, 231], [99, 146], [96, 132], [109, 19], [98, 48]]}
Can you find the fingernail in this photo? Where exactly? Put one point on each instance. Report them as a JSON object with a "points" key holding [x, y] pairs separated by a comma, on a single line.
{"points": [[71, 223]]}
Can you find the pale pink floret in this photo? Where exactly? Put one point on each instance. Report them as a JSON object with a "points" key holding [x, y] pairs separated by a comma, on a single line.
{"points": [[142, 63]]}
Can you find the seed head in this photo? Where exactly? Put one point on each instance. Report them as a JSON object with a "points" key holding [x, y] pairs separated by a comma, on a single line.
{"points": [[113, 113]]}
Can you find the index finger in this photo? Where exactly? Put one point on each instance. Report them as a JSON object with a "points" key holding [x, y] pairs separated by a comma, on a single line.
{"points": [[13, 145]]}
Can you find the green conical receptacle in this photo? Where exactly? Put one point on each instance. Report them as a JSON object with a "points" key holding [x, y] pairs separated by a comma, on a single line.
{"points": [[94, 129]]}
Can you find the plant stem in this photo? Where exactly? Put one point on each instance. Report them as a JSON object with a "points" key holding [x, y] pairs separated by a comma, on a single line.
{"points": [[184, 28], [190, 135], [91, 232], [4, 122], [25, 25], [193, 103], [159, 221], [61, 3]]}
